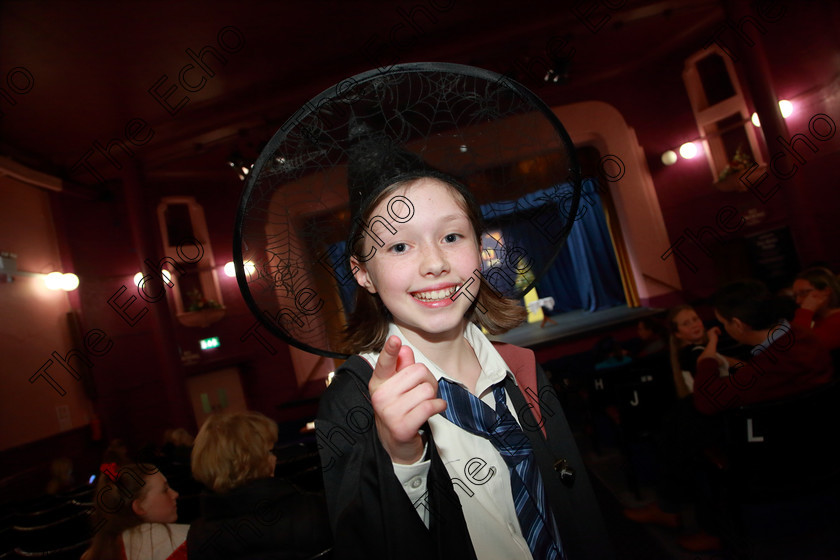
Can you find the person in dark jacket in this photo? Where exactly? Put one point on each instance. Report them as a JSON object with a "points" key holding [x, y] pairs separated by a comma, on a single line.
{"points": [[248, 513]]}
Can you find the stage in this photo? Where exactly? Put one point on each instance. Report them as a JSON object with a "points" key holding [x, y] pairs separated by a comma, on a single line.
{"points": [[573, 324]]}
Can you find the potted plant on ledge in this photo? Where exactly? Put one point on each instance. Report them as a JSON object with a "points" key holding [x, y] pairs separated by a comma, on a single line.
{"points": [[201, 312], [729, 179]]}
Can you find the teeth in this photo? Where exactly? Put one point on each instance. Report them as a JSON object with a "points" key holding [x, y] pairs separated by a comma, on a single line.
{"points": [[435, 295]]}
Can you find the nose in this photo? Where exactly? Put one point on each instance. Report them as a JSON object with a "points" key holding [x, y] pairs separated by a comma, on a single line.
{"points": [[434, 262]]}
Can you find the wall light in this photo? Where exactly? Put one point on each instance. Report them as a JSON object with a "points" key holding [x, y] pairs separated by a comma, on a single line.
{"points": [[167, 277], [688, 150], [669, 157], [230, 268], [54, 280], [785, 107], [58, 281]]}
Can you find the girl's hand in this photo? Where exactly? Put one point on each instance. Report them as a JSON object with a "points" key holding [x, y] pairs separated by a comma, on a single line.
{"points": [[710, 351], [404, 397]]}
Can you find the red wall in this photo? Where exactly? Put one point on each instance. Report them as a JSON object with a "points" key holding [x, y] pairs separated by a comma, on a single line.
{"points": [[803, 52]]}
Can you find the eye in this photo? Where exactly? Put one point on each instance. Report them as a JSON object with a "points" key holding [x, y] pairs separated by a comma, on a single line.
{"points": [[452, 237], [398, 248]]}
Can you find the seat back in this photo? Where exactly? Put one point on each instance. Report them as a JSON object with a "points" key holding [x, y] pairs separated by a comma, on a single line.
{"points": [[643, 394], [785, 447]]}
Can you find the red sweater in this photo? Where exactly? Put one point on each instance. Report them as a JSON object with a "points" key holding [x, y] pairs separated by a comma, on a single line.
{"points": [[795, 362], [826, 329]]}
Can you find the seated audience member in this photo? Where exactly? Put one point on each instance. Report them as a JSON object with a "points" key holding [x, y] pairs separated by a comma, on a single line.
{"points": [[683, 436], [117, 452], [610, 354], [61, 470], [250, 514], [786, 359], [174, 456], [687, 341], [139, 510], [817, 293], [653, 337]]}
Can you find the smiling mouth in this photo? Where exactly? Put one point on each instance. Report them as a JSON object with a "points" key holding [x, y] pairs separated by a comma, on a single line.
{"points": [[435, 295]]}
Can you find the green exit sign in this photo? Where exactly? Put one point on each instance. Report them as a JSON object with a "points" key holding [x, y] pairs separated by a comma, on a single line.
{"points": [[208, 343]]}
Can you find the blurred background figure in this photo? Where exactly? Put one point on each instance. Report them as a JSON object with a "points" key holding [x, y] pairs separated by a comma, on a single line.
{"points": [[136, 512], [817, 293], [653, 337], [247, 513], [62, 479]]}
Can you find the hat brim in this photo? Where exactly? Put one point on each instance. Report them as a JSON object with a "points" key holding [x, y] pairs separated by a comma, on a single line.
{"points": [[495, 135]]}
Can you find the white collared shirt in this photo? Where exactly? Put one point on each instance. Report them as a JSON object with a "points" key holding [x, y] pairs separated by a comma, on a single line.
{"points": [[153, 541], [777, 332], [479, 474]]}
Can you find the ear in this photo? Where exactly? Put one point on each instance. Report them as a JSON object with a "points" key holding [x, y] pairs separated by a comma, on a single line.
{"points": [[738, 325], [360, 272], [137, 508]]}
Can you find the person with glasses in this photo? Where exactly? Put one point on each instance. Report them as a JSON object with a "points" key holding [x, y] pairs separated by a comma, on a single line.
{"points": [[248, 513], [817, 293]]}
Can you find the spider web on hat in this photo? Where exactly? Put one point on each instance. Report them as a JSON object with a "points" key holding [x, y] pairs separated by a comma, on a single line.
{"points": [[478, 126]]}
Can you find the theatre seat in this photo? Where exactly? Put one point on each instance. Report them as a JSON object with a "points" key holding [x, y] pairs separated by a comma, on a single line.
{"points": [[69, 552], [776, 470], [54, 535], [783, 448], [633, 398]]}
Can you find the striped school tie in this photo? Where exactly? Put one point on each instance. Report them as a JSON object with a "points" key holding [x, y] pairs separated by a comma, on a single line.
{"points": [[535, 519]]}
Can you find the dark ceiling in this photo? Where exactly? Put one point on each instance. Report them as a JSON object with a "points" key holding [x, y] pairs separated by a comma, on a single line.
{"points": [[75, 73]]}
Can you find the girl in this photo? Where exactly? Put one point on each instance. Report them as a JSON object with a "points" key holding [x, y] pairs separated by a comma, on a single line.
{"points": [[137, 512], [687, 341], [817, 294], [411, 468]]}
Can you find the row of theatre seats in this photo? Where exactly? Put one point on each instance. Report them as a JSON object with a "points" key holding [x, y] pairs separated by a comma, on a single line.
{"points": [[55, 527], [765, 453], [59, 527]]}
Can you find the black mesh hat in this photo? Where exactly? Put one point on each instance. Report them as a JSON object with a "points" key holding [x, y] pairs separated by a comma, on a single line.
{"points": [[486, 135]]}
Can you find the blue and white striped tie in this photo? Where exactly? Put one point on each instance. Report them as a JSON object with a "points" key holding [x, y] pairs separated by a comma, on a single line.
{"points": [[535, 519]]}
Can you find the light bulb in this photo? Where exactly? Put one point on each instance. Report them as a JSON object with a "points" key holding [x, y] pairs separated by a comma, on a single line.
{"points": [[669, 157], [688, 150], [53, 280], [786, 108], [69, 282]]}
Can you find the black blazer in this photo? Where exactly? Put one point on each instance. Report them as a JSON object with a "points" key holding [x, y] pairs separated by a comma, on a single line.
{"points": [[372, 517], [268, 518]]}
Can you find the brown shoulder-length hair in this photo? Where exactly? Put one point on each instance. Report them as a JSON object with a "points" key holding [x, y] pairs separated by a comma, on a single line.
{"points": [[367, 326], [675, 345], [232, 448], [113, 512], [822, 278]]}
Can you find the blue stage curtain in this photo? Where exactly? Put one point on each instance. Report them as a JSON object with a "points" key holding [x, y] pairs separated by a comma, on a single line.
{"points": [[585, 274], [340, 263]]}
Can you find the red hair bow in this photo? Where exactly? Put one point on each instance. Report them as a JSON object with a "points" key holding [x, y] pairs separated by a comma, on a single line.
{"points": [[110, 470]]}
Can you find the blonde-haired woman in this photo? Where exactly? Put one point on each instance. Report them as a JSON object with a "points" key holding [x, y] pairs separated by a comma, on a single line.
{"points": [[248, 513]]}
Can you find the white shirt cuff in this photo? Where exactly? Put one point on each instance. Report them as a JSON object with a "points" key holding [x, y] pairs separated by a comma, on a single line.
{"points": [[413, 479]]}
